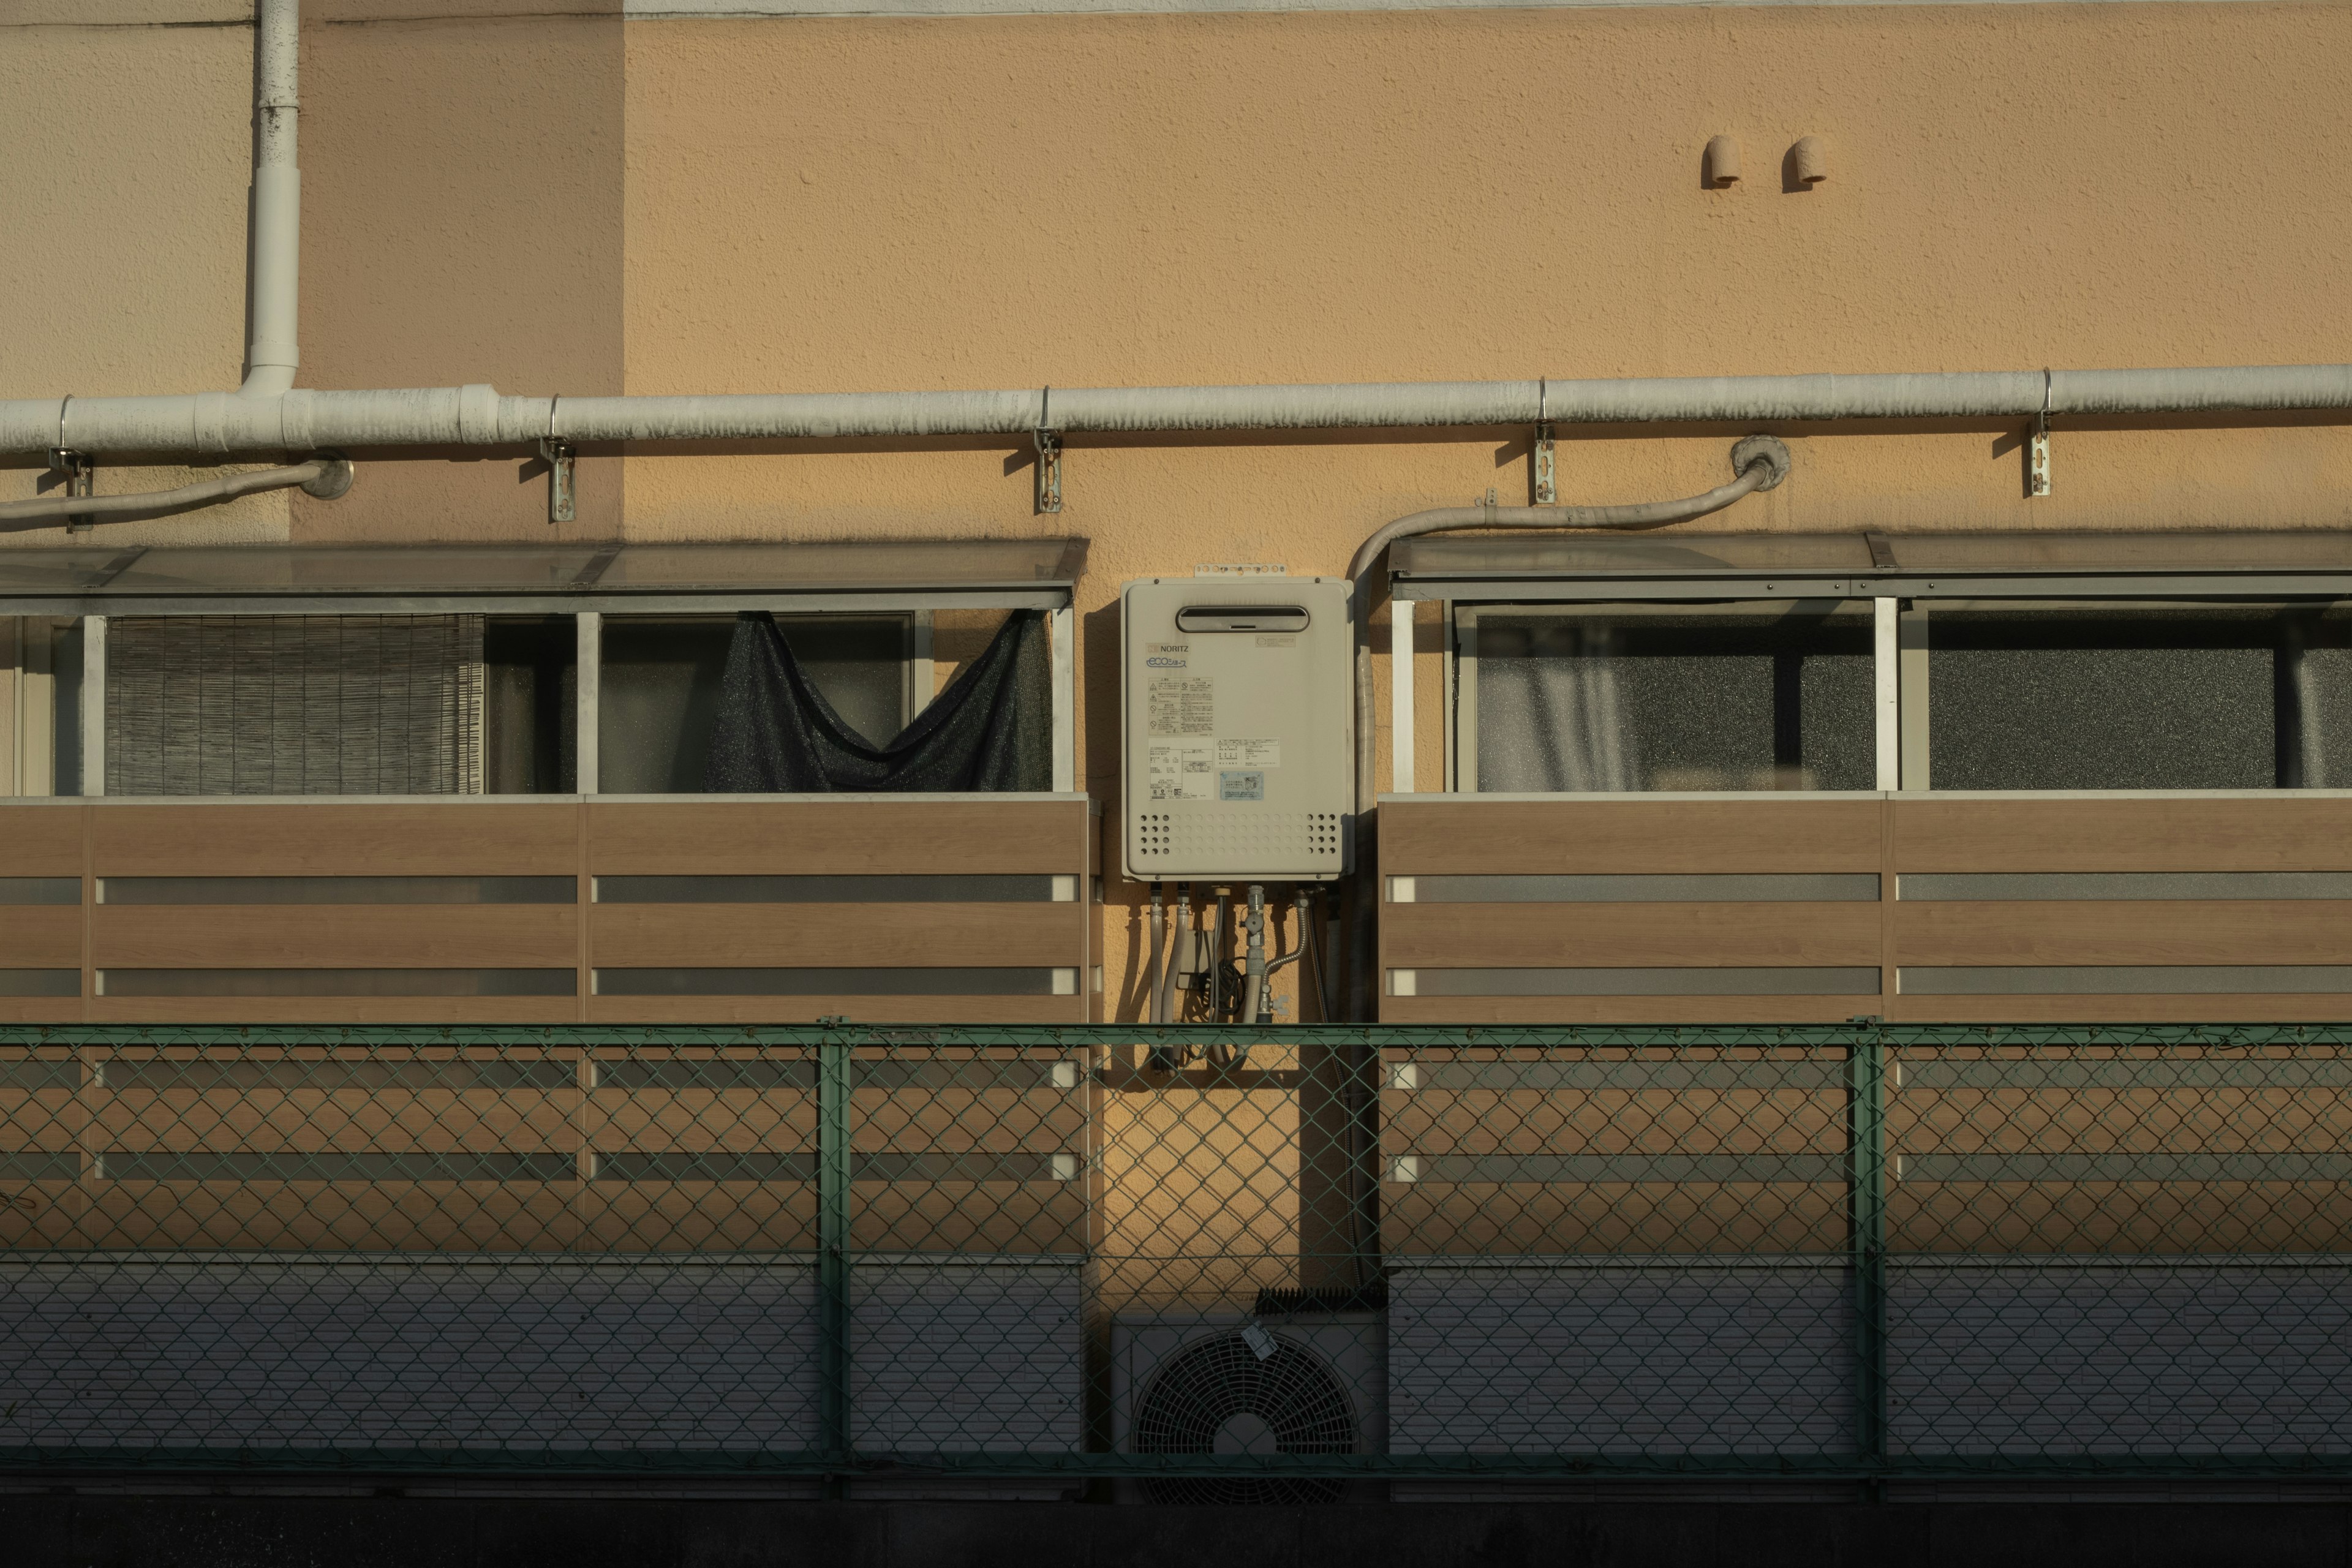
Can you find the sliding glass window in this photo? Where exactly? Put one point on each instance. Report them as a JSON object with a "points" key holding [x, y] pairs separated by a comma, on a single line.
{"points": [[567, 668], [664, 684], [1763, 695], [2110, 696], [325, 704], [2018, 694]]}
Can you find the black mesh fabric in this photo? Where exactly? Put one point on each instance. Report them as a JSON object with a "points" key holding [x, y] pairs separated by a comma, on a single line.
{"points": [[776, 733]]}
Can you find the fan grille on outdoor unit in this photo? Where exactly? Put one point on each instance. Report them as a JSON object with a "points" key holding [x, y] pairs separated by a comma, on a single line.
{"points": [[1206, 1384]]}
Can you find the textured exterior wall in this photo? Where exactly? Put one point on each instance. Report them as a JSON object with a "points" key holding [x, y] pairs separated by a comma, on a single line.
{"points": [[1407, 196], [552, 199], [129, 147], [462, 186], [1153, 200]]}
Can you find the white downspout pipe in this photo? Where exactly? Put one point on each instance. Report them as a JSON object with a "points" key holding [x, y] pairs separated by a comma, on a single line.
{"points": [[272, 348], [250, 419]]}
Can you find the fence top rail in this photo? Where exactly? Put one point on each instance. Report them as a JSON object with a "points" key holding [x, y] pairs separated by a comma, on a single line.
{"points": [[1391, 1036]]}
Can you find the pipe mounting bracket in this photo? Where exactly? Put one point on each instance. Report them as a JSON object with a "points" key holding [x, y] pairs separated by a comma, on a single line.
{"points": [[2037, 447], [1049, 471], [81, 479], [559, 455]]}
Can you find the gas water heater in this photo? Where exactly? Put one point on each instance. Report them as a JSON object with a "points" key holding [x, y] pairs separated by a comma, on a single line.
{"points": [[1237, 714]]}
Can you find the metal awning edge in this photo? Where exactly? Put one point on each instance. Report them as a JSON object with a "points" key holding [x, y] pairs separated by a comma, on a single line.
{"points": [[90, 578], [1874, 565]]}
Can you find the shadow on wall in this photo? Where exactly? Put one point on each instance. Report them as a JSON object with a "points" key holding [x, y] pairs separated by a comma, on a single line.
{"points": [[415, 175]]}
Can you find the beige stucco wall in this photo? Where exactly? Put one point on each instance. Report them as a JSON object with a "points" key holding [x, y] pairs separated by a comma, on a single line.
{"points": [[544, 196], [128, 151], [1153, 200], [462, 198], [1464, 194]]}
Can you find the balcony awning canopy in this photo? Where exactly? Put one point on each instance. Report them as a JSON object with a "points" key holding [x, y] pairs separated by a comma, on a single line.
{"points": [[1533, 567], [1008, 573]]}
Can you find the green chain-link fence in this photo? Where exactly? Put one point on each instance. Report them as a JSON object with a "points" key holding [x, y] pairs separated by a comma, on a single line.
{"points": [[1209, 1265]]}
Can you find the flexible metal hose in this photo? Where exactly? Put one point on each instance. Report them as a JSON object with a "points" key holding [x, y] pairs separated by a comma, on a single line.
{"points": [[1183, 956], [1151, 975]]}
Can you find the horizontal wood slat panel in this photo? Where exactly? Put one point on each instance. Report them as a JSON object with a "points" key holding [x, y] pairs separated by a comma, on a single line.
{"points": [[2185, 931], [1624, 1009], [40, 1009], [335, 936], [1544, 837], [856, 1009], [920, 935], [41, 936], [2274, 1008], [332, 1010], [41, 840], [2280, 833], [455, 840], [1510, 936], [839, 838]]}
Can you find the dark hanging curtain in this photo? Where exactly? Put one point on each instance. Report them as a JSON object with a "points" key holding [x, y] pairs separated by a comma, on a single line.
{"points": [[776, 733]]}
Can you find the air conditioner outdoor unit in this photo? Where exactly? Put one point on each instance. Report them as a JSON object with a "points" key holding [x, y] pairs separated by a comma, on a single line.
{"points": [[1235, 1382]]}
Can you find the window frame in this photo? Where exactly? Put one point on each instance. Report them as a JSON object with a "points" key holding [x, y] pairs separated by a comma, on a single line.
{"points": [[94, 605], [1462, 619], [914, 638], [1902, 646]]}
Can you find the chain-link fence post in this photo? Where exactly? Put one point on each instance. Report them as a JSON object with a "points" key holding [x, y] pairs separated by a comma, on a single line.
{"points": [[1867, 1129], [833, 1247]]}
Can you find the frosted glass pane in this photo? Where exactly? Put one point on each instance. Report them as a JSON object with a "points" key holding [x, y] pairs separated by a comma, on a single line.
{"points": [[1777, 698], [2137, 697]]}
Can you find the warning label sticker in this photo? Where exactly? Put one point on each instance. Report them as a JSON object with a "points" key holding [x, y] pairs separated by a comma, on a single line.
{"points": [[1182, 772], [1181, 705], [1244, 752]]}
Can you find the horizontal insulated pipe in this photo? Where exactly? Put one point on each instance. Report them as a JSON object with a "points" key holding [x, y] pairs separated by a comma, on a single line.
{"points": [[325, 476], [217, 424], [265, 417]]}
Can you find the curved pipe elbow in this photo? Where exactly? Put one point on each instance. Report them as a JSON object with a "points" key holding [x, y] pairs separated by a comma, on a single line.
{"points": [[1758, 463], [327, 477]]}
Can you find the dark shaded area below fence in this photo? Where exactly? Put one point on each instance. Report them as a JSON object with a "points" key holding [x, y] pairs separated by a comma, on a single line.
{"points": [[119, 1531]]}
